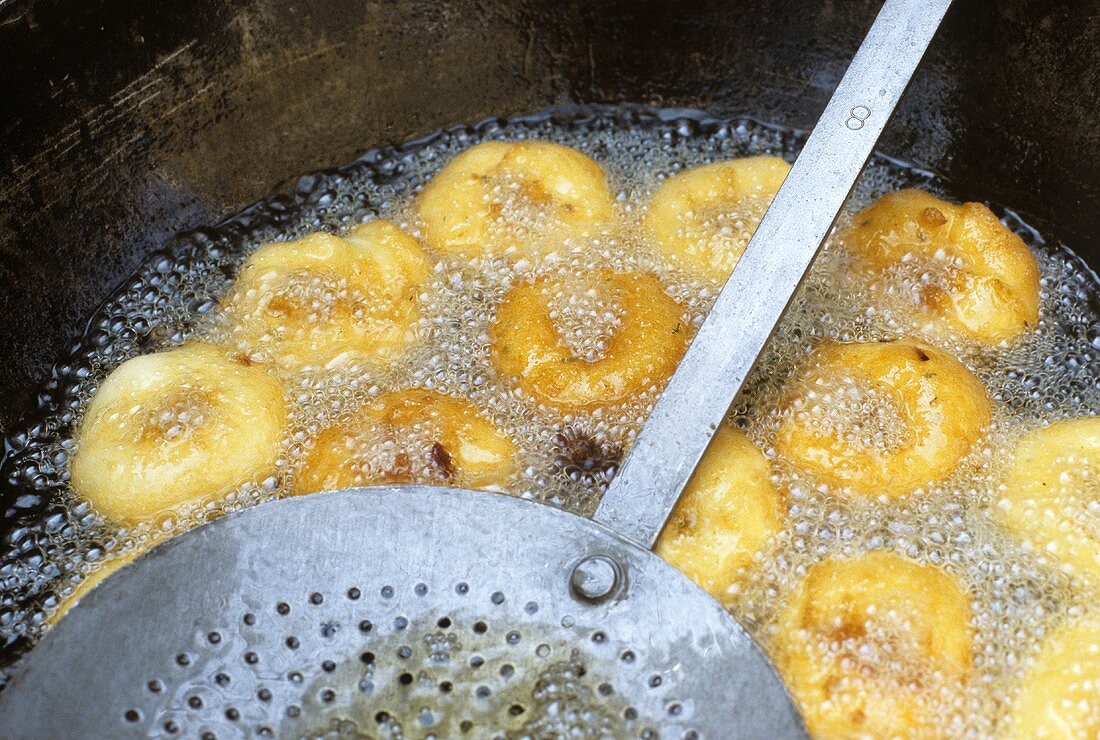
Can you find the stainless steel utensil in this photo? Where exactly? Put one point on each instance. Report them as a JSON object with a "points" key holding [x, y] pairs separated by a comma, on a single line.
{"points": [[434, 612]]}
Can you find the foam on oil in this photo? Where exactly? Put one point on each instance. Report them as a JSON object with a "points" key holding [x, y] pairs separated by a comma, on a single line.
{"points": [[51, 540]]}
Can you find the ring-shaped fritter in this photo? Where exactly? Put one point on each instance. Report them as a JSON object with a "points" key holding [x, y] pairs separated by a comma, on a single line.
{"points": [[882, 418], [514, 197], [93, 579], [642, 353], [729, 511], [1051, 496], [324, 300], [177, 428], [410, 436], [1060, 693], [985, 281], [702, 218], [866, 643]]}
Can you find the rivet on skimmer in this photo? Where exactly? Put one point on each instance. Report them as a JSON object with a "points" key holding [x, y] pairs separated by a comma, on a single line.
{"points": [[595, 578]]}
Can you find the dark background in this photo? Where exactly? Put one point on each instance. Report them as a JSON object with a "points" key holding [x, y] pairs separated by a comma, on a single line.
{"points": [[125, 121]]}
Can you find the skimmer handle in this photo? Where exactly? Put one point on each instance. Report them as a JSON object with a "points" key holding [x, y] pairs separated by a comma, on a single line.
{"points": [[685, 417]]}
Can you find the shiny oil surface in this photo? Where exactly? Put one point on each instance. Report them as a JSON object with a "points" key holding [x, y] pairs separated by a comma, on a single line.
{"points": [[1050, 374]]}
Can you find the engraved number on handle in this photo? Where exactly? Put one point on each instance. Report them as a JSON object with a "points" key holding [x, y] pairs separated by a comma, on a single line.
{"points": [[857, 116]]}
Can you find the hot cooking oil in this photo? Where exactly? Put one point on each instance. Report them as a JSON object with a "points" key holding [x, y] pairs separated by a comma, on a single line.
{"points": [[52, 539]]}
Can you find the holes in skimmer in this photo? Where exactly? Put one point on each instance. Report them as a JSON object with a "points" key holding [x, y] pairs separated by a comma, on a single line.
{"points": [[406, 661]]}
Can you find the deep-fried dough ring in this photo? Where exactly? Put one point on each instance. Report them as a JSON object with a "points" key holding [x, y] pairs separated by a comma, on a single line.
{"points": [[410, 436], [325, 299], [703, 218], [643, 352], [1052, 496], [865, 643], [729, 511], [1060, 695], [500, 197], [91, 580], [935, 410], [989, 289], [177, 428]]}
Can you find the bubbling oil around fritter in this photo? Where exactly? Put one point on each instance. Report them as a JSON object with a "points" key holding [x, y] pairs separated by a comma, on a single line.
{"points": [[50, 541]]}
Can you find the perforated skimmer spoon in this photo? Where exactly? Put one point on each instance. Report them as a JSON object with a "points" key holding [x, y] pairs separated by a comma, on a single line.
{"points": [[436, 612]]}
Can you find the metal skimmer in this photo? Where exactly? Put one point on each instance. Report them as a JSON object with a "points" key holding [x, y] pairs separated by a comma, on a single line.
{"points": [[434, 612]]}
